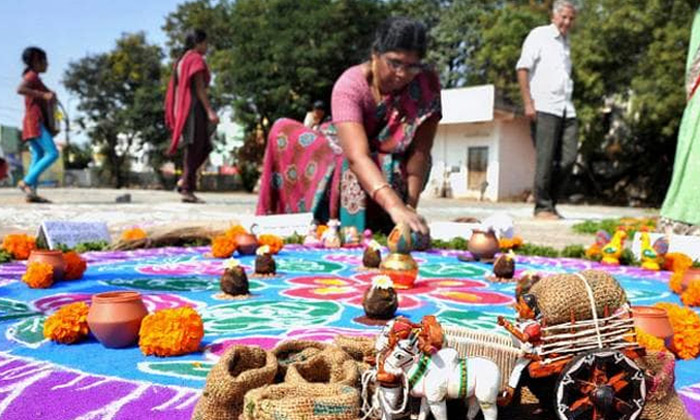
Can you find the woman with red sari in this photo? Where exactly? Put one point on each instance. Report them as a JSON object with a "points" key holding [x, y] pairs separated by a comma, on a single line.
{"points": [[188, 113], [369, 165]]}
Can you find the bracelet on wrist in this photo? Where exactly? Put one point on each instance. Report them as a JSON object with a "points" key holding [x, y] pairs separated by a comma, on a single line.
{"points": [[378, 188]]}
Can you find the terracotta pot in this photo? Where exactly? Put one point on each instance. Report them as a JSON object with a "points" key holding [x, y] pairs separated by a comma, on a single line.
{"points": [[688, 276], [483, 245], [115, 318], [54, 258], [652, 320], [247, 243]]}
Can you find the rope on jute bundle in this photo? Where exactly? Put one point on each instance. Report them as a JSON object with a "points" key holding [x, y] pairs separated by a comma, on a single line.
{"points": [[294, 351], [239, 370], [331, 366], [662, 402], [302, 401], [565, 298]]}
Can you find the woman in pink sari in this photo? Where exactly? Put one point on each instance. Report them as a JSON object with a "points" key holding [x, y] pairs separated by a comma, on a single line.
{"points": [[188, 113], [368, 166]]}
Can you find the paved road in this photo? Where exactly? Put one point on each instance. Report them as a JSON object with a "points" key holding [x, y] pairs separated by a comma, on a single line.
{"points": [[150, 207]]}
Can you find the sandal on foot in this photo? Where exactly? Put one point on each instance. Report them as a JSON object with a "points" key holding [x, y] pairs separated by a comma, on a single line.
{"points": [[191, 198]]}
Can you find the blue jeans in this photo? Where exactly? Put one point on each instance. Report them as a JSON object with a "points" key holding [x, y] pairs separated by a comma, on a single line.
{"points": [[44, 153]]}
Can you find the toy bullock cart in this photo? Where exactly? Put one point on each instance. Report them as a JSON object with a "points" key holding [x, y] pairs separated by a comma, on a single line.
{"points": [[592, 362]]}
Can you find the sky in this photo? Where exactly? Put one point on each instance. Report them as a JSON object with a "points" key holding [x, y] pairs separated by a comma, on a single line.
{"points": [[67, 30]]}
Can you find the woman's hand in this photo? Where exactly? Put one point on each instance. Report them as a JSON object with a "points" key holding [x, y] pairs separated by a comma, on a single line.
{"points": [[49, 96], [402, 213]]}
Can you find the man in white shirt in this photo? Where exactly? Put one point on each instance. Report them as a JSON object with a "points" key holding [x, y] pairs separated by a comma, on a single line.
{"points": [[544, 75]]}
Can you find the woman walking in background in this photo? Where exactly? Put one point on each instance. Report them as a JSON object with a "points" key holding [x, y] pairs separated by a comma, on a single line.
{"points": [[39, 102], [680, 214], [188, 113]]}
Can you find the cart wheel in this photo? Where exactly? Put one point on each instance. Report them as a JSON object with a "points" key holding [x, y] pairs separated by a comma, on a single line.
{"points": [[600, 385]]}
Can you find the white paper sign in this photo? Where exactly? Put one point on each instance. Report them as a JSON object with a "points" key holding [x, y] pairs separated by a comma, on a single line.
{"points": [[282, 224], [72, 233]]}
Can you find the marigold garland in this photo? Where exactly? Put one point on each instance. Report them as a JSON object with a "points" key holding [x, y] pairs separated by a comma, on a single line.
{"points": [[648, 341], [69, 324], [39, 275], [223, 246], [675, 283], [677, 261], [133, 234], [75, 265], [510, 243], [234, 231], [686, 330], [19, 245], [171, 332], [691, 295], [273, 241]]}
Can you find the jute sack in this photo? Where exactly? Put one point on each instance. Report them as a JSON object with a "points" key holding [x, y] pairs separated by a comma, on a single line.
{"points": [[662, 402], [356, 346], [302, 402], [293, 351], [240, 369], [562, 296], [331, 366]]}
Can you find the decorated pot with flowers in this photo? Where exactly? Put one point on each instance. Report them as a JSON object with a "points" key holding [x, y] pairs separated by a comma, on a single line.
{"points": [[247, 243], [372, 256], [380, 300], [234, 280], [115, 317], [52, 257]]}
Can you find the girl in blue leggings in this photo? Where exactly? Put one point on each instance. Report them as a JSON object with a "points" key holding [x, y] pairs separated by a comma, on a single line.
{"points": [[38, 103]]}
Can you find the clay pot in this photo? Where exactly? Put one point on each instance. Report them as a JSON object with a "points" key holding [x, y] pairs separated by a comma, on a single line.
{"points": [[54, 258], [247, 243], [688, 276], [401, 268], [115, 318], [652, 320], [483, 245]]}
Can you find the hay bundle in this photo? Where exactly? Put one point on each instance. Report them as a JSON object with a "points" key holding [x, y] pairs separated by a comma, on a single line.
{"points": [[563, 296], [176, 234], [299, 401], [238, 371]]}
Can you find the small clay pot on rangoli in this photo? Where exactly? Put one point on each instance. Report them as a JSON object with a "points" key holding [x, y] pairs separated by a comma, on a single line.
{"points": [[115, 317], [53, 258]]}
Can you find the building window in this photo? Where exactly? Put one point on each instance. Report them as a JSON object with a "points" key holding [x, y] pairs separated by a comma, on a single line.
{"points": [[477, 164]]}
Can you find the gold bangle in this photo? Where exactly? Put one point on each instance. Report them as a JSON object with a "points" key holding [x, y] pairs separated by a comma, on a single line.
{"points": [[376, 189]]}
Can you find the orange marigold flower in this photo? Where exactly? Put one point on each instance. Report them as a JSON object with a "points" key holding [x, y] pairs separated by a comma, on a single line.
{"points": [[505, 243], [19, 245], [234, 231], [75, 265], [649, 341], [69, 324], [223, 246], [517, 242], [320, 229], [133, 234], [171, 332], [273, 241], [691, 295], [39, 275], [675, 283], [686, 330], [677, 261]]}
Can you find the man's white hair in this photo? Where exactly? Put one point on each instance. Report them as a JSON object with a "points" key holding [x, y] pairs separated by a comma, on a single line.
{"points": [[561, 4]]}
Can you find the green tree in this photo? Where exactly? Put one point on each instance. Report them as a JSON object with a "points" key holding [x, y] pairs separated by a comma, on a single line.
{"points": [[121, 101]]}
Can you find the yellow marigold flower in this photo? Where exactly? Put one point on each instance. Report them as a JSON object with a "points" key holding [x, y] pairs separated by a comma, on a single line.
{"points": [[273, 241], [686, 330], [133, 234], [68, 325], [691, 295], [171, 332], [649, 341], [39, 275], [234, 231], [19, 245]]}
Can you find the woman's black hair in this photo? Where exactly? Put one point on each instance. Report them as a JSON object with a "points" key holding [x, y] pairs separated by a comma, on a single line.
{"points": [[194, 37], [400, 33], [30, 56]]}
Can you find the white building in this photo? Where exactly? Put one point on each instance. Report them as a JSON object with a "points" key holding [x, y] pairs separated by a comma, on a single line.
{"points": [[481, 150]]}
